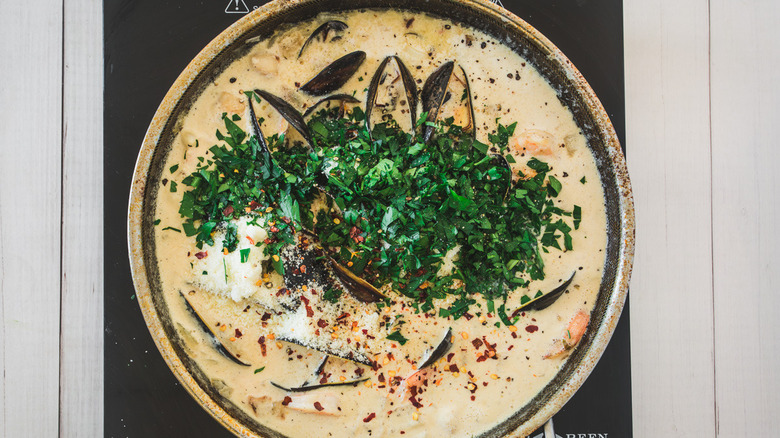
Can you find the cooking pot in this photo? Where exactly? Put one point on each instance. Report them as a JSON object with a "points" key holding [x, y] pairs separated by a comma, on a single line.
{"points": [[573, 91]]}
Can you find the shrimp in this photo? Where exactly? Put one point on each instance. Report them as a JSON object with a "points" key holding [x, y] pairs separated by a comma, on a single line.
{"points": [[576, 328], [533, 142], [230, 103]]}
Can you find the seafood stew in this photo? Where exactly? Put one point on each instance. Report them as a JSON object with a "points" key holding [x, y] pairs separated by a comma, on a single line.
{"points": [[298, 302]]}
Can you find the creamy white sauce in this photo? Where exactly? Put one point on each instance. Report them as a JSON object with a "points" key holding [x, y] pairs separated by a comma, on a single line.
{"points": [[465, 395]]}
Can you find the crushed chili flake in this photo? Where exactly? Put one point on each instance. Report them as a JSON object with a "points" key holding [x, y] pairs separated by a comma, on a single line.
{"points": [[287, 400], [227, 211], [254, 205], [238, 333], [265, 316], [261, 341], [200, 255], [381, 377], [476, 343], [454, 368], [370, 417], [514, 335], [309, 310], [415, 402], [318, 406], [321, 323], [531, 328]]}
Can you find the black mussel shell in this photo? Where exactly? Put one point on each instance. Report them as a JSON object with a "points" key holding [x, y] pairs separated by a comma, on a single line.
{"points": [[323, 30], [410, 89], [324, 385], [359, 288], [500, 160], [206, 328], [351, 356], [438, 352], [258, 133], [549, 298], [293, 117], [458, 95], [433, 93], [332, 77], [342, 98]]}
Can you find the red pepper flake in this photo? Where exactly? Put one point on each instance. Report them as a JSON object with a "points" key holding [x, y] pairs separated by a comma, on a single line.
{"points": [[346, 315], [415, 402], [287, 400], [390, 356], [370, 417], [201, 255], [318, 406], [531, 328], [261, 341], [450, 356], [476, 343], [309, 310], [227, 211], [473, 398], [481, 358], [238, 333], [286, 219], [468, 316], [321, 323], [324, 380], [266, 316], [454, 368], [303, 268], [254, 205], [514, 335], [274, 229], [381, 377]]}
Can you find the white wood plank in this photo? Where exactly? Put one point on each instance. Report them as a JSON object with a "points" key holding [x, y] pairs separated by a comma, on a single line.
{"points": [[81, 337], [30, 183], [746, 192], [668, 153]]}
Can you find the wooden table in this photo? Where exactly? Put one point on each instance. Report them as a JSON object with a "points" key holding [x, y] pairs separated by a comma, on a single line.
{"points": [[703, 100]]}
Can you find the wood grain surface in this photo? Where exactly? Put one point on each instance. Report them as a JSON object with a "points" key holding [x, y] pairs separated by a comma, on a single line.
{"points": [[702, 105]]}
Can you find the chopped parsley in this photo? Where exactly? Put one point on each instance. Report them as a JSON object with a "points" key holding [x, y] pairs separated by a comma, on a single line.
{"points": [[395, 206]]}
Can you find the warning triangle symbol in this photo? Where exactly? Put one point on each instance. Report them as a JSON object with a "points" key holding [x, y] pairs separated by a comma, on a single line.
{"points": [[236, 7]]}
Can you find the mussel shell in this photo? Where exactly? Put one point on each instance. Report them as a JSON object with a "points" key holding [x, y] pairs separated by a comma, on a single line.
{"points": [[438, 352], [324, 29], [258, 133], [293, 117], [433, 93], [352, 356], [323, 385], [359, 288], [335, 75], [549, 298], [210, 333]]}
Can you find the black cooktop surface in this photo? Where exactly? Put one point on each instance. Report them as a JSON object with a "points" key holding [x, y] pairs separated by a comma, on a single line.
{"points": [[147, 44]]}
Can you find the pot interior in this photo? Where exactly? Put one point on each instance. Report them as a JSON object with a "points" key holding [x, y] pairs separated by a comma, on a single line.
{"points": [[591, 120]]}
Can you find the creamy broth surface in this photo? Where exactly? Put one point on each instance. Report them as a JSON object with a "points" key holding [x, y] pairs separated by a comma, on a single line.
{"points": [[491, 371]]}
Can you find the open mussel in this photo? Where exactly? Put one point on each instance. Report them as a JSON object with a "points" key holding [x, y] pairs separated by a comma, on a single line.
{"points": [[335, 75], [446, 93], [321, 33], [385, 99], [211, 334]]}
